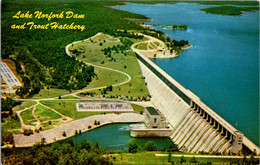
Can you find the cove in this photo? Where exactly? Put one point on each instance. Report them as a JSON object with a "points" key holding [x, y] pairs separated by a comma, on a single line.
{"points": [[117, 137], [223, 66]]}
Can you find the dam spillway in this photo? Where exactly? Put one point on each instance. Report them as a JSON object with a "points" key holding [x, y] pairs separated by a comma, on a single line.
{"points": [[196, 127]]}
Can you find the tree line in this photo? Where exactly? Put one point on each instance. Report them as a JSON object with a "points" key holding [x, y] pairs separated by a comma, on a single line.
{"points": [[7, 105], [63, 152]]}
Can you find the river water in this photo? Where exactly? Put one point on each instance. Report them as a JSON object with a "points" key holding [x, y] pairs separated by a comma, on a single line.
{"points": [[117, 137], [223, 66]]}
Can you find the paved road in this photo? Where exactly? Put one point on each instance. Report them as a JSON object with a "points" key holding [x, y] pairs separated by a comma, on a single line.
{"points": [[204, 156]]}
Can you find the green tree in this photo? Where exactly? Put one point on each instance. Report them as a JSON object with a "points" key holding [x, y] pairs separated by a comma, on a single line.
{"points": [[43, 141], [132, 147], [150, 146], [169, 156], [64, 134]]}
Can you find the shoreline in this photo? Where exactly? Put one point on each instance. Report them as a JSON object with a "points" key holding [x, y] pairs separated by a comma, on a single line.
{"points": [[55, 134], [139, 19], [160, 52], [188, 47]]}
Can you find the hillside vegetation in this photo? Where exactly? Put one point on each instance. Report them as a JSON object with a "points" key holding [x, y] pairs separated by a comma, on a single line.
{"points": [[39, 54], [229, 10]]}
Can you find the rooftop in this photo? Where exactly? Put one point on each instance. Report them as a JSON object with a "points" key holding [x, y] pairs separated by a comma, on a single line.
{"points": [[152, 111]]}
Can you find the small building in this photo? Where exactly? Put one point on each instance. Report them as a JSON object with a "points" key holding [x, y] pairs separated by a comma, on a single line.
{"points": [[156, 125], [153, 119], [103, 106]]}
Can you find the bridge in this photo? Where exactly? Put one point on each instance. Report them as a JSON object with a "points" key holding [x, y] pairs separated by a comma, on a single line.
{"points": [[196, 127]]}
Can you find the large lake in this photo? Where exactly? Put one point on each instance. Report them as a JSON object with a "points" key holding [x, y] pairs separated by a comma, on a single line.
{"points": [[223, 66]]}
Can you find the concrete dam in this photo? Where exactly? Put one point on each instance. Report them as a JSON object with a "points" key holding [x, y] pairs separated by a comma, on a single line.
{"points": [[196, 127]]}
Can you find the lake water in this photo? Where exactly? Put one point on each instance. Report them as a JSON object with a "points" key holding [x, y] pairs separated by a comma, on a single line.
{"points": [[117, 136], [223, 66]]}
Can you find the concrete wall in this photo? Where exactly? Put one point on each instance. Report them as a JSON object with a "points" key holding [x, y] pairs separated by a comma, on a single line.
{"points": [[151, 132], [196, 126]]}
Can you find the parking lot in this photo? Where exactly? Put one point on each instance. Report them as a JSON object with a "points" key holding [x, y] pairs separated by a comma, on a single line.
{"points": [[9, 77]]}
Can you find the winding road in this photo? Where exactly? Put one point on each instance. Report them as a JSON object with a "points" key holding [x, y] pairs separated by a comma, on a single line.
{"points": [[63, 117]]}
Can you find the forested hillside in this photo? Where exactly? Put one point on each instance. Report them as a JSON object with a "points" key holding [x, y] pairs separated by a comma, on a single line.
{"points": [[39, 54]]}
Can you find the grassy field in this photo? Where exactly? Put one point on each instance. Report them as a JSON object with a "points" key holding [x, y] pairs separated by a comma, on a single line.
{"points": [[145, 46], [24, 105], [69, 97], [52, 92], [137, 108], [27, 117], [149, 158], [106, 78], [44, 113], [156, 43], [136, 87], [68, 108], [47, 125], [142, 46]]}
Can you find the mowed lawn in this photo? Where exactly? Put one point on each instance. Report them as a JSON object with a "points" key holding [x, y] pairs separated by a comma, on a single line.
{"points": [[28, 117], [25, 104], [44, 113], [149, 158], [68, 108], [142, 46], [105, 78], [137, 108], [51, 92]]}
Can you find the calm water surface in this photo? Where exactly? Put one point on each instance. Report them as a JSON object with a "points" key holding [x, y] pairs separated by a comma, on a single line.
{"points": [[223, 66]]}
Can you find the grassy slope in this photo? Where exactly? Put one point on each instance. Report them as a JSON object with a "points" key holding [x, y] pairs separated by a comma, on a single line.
{"points": [[91, 52], [10, 126]]}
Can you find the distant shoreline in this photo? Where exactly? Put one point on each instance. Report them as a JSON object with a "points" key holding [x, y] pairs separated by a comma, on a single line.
{"points": [[160, 51]]}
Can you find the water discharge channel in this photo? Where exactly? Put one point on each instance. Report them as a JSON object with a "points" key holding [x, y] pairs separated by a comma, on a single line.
{"points": [[117, 136]]}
